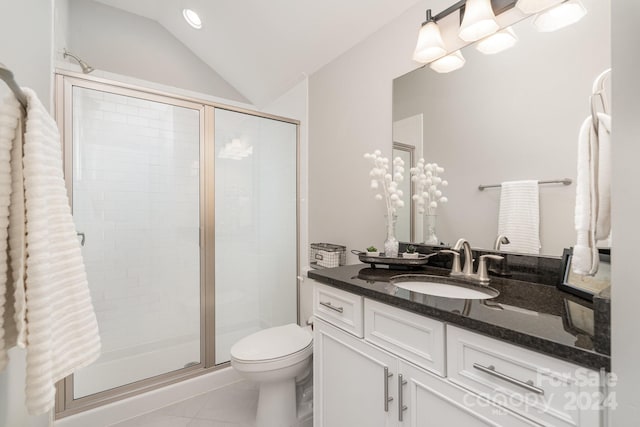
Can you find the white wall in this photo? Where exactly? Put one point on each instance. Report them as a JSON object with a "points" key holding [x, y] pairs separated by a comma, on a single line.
{"points": [[350, 113], [120, 42], [61, 28], [510, 116], [626, 210], [26, 31]]}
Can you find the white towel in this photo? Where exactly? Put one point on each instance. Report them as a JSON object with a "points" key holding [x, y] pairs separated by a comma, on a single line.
{"points": [[9, 118], [519, 217], [593, 194], [53, 311]]}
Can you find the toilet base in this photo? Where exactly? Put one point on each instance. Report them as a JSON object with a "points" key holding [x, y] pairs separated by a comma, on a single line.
{"points": [[277, 404]]}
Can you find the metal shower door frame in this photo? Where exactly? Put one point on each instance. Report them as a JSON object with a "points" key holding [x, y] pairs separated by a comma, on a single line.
{"points": [[65, 81]]}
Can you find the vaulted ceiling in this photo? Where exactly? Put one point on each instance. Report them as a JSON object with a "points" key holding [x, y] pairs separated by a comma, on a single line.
{"points": [[264, 47]]}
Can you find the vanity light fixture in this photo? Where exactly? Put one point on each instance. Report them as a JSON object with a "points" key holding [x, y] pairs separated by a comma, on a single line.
{"points": [[430, 45], [502, 40], [535, 6], [478, 21], [479, 24], [448, 63], [567, 13], [192, 18]]}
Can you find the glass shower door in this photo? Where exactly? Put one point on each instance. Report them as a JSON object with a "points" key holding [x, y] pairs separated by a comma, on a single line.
{"points": [[255, 226], [136, 202]]}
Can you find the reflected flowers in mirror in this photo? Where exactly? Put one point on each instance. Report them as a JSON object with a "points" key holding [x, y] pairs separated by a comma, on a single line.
{"points": [[426, 177]]}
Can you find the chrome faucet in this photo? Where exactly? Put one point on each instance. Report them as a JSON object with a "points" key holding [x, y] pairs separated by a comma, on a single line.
{"points": [[463, 243], [482, 276], [500, 240], [500, 268]]}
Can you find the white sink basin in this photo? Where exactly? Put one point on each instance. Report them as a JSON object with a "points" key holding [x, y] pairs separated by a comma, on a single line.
{"points": [[448, 290]]}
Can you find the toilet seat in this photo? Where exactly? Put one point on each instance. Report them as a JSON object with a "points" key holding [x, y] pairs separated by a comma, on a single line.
{"points": [[273, 348]]}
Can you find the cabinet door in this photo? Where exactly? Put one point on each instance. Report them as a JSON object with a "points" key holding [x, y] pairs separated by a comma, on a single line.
{"points": [[431, 401], [351, 382]]}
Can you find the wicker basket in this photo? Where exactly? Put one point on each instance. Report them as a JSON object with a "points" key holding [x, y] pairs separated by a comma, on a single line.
{"points": [[327, 255]]}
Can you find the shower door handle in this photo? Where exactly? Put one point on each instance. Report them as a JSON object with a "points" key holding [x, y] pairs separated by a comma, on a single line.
{"points": [[82, 237]]}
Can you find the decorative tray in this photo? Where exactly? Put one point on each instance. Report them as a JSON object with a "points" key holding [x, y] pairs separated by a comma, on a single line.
{"points": [[383, 260]]}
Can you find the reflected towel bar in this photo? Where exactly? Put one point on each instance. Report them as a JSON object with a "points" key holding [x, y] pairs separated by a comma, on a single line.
{"points": [[564, 181]]}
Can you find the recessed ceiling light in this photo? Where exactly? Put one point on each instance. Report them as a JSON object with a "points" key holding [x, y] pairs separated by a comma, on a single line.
{"points": [[192, 18]]}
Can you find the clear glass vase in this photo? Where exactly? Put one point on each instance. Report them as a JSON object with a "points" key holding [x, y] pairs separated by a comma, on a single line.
{"points": [[391, 243], [430, 237]]}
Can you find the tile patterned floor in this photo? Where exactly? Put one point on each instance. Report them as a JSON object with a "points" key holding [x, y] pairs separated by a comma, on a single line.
{"points": [[231, 406]]}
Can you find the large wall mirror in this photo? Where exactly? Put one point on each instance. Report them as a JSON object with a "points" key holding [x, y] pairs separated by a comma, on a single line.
{"points": [[511, 116]]}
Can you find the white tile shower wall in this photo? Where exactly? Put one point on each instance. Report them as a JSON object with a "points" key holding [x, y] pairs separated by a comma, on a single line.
{"points": [[136, 198]]}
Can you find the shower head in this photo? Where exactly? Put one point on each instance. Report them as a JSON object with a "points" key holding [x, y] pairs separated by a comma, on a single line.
{"points": [[86, 68]]}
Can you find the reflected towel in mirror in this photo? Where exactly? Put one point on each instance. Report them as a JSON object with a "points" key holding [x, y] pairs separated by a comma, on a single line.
{"points": [[593, 193], [519, 217]]}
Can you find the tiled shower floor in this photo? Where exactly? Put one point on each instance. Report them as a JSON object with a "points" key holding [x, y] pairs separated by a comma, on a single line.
{"points": [[231, 406]]}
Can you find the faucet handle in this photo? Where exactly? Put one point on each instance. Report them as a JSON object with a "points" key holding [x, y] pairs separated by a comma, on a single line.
{"points": [[455, 268], [483, 275]]}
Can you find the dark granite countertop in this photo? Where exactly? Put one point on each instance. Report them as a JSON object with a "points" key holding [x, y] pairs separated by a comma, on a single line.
{"points": [[539, 317]]}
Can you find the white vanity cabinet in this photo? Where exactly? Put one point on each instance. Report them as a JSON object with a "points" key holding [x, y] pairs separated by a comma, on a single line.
{"points": [[397, 368], [389, 374], [353, 379]]}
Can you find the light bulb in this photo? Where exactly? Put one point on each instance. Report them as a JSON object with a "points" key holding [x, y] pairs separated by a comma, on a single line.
{"points": [[478, 22], [561, 16], [502, 40], [430, 45], [448, 63]]}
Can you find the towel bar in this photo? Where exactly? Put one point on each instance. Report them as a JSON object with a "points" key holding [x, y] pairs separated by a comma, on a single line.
{"points": [[564, 181]]}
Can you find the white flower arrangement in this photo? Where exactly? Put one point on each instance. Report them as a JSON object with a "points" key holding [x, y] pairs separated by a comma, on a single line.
{"points": [[426, 177], [385, 184]]}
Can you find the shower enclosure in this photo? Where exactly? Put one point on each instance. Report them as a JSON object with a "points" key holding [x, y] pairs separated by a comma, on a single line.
{"points": [[187, 215]]}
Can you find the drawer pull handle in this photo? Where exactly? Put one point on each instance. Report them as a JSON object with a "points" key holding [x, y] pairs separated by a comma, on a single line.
{"points": [[401, 406], [491, 370], [332, 307], [387, 398]]}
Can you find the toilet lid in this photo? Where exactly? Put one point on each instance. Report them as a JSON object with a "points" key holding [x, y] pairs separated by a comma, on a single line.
{"points": [[272, 343]]}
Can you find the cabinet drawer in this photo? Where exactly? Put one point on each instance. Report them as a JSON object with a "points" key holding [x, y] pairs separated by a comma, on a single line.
{"points": [[416, 338], [340, 308], [546, 390]]}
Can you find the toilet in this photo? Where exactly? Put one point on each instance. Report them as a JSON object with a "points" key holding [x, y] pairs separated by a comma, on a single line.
{"points": [[273, 358]]}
